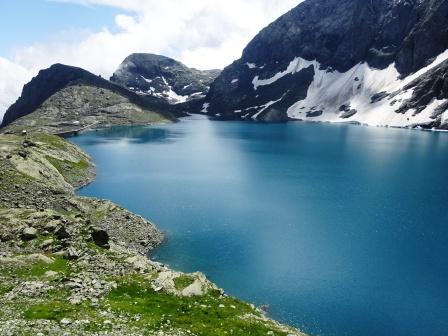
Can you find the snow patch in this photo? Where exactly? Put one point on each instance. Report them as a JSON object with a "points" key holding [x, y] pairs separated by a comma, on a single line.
{"points": [[251, 65], [205, 107], [146, 79], [355, 88], [444, 117], [234, 81], [173, 97], [439, 59], [296, 65], [266, 106]]}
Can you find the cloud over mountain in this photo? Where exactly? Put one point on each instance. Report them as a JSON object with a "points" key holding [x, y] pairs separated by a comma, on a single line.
{"points": [[201, 33]]}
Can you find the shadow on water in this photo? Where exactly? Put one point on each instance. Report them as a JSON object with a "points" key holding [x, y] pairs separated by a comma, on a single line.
{"points": [[132, 134]]}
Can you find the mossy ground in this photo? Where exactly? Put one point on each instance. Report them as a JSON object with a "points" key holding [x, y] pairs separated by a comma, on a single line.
{"points": [[183, 281], [135, 304]]}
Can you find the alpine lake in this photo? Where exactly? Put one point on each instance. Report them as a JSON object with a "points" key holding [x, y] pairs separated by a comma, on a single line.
{"points": [[336, 229]]}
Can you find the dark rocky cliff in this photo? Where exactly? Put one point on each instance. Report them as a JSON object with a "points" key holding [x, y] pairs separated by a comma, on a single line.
{"points": [[338, 35]]}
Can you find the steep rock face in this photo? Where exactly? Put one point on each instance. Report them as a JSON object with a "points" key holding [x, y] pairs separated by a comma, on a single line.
{"points": [[64, 97], [162, 77], [325, 60]]}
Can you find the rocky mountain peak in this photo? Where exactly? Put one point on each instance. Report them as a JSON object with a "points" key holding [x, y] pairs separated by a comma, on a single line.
{"points": [[67, 94], [163, 77], [325, 54]]}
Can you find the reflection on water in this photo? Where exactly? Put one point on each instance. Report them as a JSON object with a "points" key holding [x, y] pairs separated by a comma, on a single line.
{"points": [[133, 134], [341, 229]]}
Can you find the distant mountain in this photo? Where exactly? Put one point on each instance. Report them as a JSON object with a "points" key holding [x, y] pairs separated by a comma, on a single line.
{"points": [[162, 77], [380, 62], [62, 98]]}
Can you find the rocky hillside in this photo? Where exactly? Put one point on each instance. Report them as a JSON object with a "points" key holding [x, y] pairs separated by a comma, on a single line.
{"points": [[64, 98], [77, 266], [377, 62], [164, 78]]}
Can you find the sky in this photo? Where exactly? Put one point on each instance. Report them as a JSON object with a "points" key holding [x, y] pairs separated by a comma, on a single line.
{"points": [[98, 34]]}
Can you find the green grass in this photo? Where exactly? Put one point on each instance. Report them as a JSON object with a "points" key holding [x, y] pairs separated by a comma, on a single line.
{"points": [[73, 172], [133, 296], [183, 281], [38, 269], [57, 307], [54, 310], [52, 140], [11, 178], [157, 311], [5, 288], [203, 315], [63, 165]]}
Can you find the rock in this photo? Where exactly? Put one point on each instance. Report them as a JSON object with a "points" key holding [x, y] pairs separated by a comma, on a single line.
{"points": [[28, 143], [33, 258], [100, 237], [46, 243], [53, 89], [62, 233], [378, 97], [71, 254], [159, 76], [22, 154], [348, 114], [4, 237], [28, 289], [140, 263], [65, 321], [52, 226], [313, 114], [51, 274], [286, 65], [29, 233]]}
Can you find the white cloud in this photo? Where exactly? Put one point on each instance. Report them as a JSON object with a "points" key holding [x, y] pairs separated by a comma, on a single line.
{"points": [[201, 33], [12, 78]]}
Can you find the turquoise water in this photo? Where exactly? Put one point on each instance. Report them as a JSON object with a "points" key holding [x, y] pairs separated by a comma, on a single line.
{"points": [[340, 229]]}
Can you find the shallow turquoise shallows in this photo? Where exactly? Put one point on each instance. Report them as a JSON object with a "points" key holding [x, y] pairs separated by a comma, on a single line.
{"points": [[340, 229]]}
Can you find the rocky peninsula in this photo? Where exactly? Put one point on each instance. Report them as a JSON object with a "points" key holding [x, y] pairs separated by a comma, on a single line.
{"points": [[73, 265]]}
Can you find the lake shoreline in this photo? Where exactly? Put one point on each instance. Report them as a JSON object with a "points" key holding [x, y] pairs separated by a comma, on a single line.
{"points": [[245, 184], [90, 254]]}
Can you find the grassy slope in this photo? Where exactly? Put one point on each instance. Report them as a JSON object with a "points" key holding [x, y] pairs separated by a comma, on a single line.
{"points": [[78, 106]]}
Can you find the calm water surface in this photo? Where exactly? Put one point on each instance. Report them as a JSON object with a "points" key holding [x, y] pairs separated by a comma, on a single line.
{"points": [[342, 230]]}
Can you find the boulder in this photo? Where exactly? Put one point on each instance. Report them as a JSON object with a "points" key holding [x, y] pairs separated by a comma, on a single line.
{"points": [[100, 237], [62, 233], [71, 254], [29, 233]]}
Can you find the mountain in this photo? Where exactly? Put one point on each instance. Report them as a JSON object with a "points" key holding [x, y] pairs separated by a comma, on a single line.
{"points": [[379, 62], [62, 98], [162, 77]]}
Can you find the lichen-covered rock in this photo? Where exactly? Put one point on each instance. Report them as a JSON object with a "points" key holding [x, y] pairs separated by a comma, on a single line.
{"points": [[29, 233]]}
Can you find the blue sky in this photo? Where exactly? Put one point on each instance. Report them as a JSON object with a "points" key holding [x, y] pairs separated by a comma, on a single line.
{"points": [[24, 22]]}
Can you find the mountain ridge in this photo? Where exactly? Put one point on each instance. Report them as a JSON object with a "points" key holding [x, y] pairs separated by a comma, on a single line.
{"points": [[161, 77], [65, 95], [319, 46]]}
